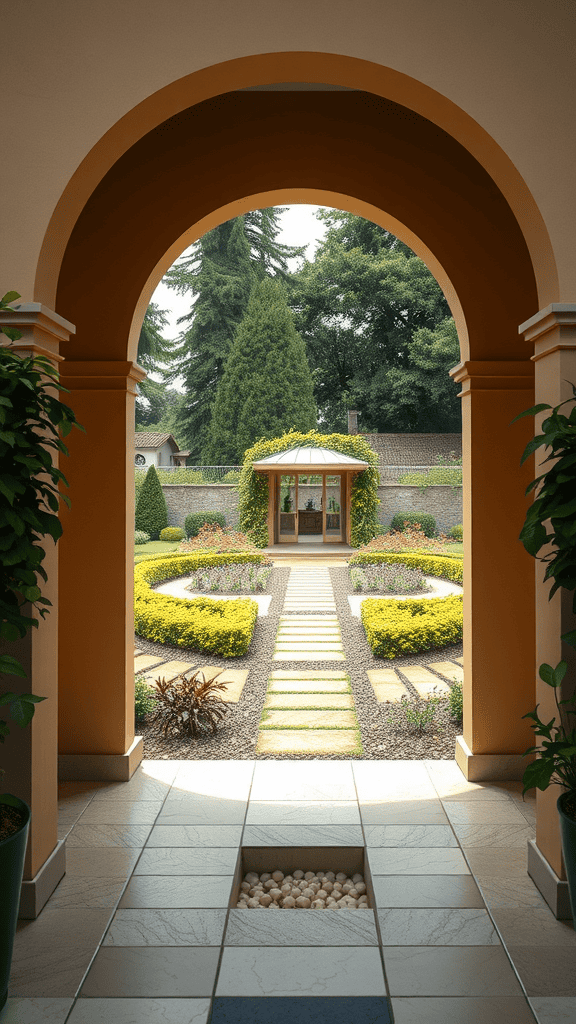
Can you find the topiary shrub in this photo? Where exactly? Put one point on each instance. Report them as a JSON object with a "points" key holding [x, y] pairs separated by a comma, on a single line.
{"points": [[151, 511], [457, 532], [140, 537], [364, 500], [172, 533], [196, 520], [426, 522], [394, 628]]}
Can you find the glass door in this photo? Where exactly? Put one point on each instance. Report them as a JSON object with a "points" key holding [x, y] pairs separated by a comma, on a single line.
{"points": [[333, 508], [287, 511], [310, 499]]}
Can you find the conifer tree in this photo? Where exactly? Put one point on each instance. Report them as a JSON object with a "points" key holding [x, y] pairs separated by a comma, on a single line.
{"points": [[151, 511], [267, 386]]}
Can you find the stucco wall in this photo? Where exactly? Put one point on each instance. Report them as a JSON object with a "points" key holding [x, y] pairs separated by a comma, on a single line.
{"points": [[444, 503]]}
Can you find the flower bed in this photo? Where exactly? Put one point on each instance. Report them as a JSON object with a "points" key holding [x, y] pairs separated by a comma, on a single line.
{"points": [[231, 579], [403, 627], [203, 624], [444, 566], [384, 578]]}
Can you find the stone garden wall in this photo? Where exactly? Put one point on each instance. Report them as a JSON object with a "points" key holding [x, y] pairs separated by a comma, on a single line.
{"points": [[444, 503]]}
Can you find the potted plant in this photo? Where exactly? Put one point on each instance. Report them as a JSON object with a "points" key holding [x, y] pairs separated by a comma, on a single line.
{"points": [[555, 507], [31, 418]]}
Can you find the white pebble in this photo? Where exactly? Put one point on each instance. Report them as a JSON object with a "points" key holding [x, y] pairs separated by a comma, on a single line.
{"points": [[330, 876], [353, 892], [347, 886], [309, 893], [254, 902], [341, 877], [288, 878], [277, 876], [298, 874], [363, 906], [270, 884], [321, 894], [309, 876], [276, 894], [327, 885], [360, 888], [303, 902], [318, 904], [251, 877], [286, 889], [241, 905], [357, 878], [337, 887], [265, 877], [274, 906], [288, 902], [265, 901], [245, 886], [302, 885]]}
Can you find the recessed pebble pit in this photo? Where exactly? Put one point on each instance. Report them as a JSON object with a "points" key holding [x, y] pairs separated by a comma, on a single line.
{"points": [[302, 890], [280, 879]]}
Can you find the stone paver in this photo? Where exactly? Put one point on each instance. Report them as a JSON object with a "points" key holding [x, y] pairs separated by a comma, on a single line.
{"points": [[307, 741], [169, 670], [287, 719], [459, 660], [448, 669], [296, 685], [234, 679], [424, 681], [308, 656], [143, 661], [329, 701], [387, 686]]}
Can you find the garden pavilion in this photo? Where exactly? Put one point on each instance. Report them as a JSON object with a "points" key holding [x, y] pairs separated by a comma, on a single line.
{"points": [[309, 493]]}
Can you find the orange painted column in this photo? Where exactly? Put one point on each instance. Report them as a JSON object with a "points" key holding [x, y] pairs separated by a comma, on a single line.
{"points": [[498, 573], [96, 727], [29, 756], [552, 332]]}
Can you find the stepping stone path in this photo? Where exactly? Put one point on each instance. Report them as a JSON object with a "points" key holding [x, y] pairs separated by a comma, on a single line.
{"points": [[309, 711], [389, 687]]}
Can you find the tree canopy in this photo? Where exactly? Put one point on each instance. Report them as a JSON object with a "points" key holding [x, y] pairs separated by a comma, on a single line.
{"points": [[266, 387]]}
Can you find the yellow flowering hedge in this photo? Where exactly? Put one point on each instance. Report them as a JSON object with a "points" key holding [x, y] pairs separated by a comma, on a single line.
{"points": [[404, 627], [205, 624], [364, 500], [449, 567]]}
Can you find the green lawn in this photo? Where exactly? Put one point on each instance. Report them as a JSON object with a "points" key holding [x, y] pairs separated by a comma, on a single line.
{"points": [[153, 547]]}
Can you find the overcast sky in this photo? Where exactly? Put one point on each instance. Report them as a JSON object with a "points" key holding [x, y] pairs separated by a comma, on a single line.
{"points": [[299, 227]]}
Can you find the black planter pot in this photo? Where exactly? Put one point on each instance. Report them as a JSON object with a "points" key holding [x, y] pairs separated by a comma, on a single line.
{"points": [[568, 833], [12, 851]]}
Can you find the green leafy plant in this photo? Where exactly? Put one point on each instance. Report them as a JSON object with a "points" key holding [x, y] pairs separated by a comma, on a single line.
{"points": [[457, 532], [456, 700], [189, 706], [417, 715], [557, 760], [196, 520], [172, 533], [140, 537], [144, 701], [418, 520]]}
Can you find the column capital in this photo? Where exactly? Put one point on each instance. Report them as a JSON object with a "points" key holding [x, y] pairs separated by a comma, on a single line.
{"points": [[109, 375], [494, 375], [552, 329], [42, 329]]}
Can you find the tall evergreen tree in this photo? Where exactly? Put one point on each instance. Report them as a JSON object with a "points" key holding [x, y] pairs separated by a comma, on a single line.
{"points": [[219, 274], [155, 353], [267, 386]]}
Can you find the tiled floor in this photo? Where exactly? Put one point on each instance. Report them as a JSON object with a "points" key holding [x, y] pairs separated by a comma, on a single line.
{"points": [[140, 929]]}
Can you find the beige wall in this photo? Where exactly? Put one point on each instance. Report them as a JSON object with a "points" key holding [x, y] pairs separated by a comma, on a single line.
{"points": [[72, 70]]}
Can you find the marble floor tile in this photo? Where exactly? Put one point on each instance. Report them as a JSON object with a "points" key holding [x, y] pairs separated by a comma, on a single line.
{"points": [[110, 862], [87, 891], [140, 1011], [138, 788], [301, 928], [121, 812], [434, 927], [483, 812], [455, 1010], [160, 769], [303, 780], [377, 781], [509, 892], [410, 835], [166, 928], [291, 971], [449, 971], [153, 971], [202, 811], [35, 1011], [546, 970], [489, 862], [108, 835], [409, 860], [156, 892], [403, 812], [195, 835], [303, 835], [501, 837], [229, 780], [300, 1010], [533, 926], [426, 891], [554, 1009], [204, 860], [292, 812], [52, 953]]}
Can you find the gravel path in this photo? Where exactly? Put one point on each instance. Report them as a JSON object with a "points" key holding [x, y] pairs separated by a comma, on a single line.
{"points": [[237, 734]]}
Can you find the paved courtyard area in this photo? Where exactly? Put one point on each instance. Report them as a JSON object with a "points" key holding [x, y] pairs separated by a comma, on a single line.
{"points": [[143, 927]]}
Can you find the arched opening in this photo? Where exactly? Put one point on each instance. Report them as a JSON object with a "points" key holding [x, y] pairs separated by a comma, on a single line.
{"points": [[219, 158]]}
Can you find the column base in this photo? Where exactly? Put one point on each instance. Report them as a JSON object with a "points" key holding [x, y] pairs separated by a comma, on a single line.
{"points": [[101, 767], [553, 889], [36, 891], [489, 767]]}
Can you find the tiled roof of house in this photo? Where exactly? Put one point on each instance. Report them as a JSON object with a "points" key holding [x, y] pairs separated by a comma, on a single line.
{"points": [[414, 449], [152, 440]]}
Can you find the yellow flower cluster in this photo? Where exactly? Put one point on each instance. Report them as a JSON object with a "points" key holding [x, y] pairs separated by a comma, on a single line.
{"points": [[449, 567], [404, 627], [217, 627]]}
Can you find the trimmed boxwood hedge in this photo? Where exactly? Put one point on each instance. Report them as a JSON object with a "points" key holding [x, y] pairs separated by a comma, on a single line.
{"points": [[394, 628], [425, 520], [204, 624], [196, 520], [364, 500], [449, 567]]}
